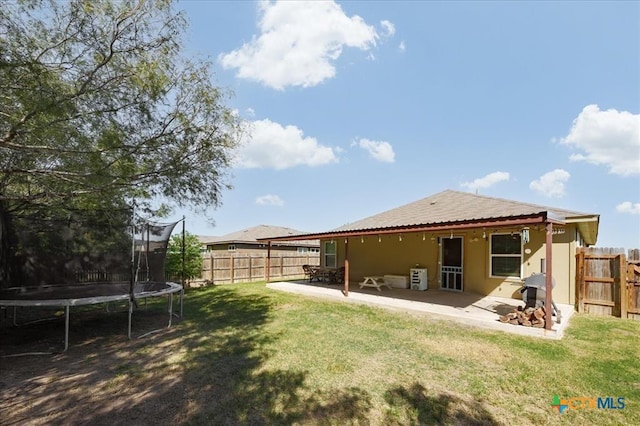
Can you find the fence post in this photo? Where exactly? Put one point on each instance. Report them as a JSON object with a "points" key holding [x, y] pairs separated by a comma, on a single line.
{"points": [[250, 269], [231, 268], [264, 268], [580, 279], [624, 299], [211, 268]]}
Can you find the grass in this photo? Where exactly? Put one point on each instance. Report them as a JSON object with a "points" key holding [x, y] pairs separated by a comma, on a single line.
{"points": [[244, 354], [281, 358]]}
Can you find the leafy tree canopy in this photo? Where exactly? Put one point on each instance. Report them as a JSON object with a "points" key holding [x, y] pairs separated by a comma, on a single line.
{"points": [[100, 106], [192, 256]]}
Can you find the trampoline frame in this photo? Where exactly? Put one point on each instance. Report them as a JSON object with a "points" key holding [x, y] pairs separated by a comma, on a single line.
{"points": [[82, 301]]}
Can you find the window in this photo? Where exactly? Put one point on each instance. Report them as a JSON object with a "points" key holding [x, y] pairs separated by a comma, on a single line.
{"points": [[303, 250], [330, 254], [506, 255], [231, 247]]}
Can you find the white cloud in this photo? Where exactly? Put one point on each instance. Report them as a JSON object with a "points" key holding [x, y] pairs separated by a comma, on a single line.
{"points": [[486, 181], [628, 207], [610, 138], [402, 47], [381, 151], [551, 184], [269, 200], [298, 43], [271, 145], [389, 28]]}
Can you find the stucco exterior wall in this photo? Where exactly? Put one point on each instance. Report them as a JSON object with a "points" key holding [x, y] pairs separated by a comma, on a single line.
{"points": [[397, 253]]}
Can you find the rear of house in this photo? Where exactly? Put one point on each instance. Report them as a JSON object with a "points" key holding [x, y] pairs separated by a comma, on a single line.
{"points": [[466, 243]]}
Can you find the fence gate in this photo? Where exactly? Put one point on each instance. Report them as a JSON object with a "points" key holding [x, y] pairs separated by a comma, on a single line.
{"points": [[607, 283]]}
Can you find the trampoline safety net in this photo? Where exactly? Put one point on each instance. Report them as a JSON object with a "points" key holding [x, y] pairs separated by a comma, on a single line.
{"points": [[45, 252]]}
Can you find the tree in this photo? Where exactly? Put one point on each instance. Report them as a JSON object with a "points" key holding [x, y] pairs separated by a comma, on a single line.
{"points": [[192, 257], [99, 106]]}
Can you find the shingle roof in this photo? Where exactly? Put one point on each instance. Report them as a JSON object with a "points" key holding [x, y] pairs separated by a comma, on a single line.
{"points": [[251, 235], [452, 206]]}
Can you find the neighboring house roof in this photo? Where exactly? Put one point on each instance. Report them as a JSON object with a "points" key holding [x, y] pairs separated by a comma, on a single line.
{"points": [[204, 239], [253, 234], [450, 207]]}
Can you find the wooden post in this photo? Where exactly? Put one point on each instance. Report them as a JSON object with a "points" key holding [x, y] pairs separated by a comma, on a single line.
{"points": [[250, 269], [580, 285], [346, 267], [268, 263], [211, 268], [232, 265], [281, 267], [548, 306], [622, 280]]}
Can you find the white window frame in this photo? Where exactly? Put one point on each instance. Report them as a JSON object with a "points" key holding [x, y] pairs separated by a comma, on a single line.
{"points": [[231, 247], [492, 255], [333, 256]]}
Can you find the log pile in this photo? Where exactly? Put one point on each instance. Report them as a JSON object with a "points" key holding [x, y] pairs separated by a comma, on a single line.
{"points": [[528, 317]]}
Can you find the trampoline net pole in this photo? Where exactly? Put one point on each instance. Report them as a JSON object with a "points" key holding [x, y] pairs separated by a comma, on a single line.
{"points": [[66, 328], [170, 308], [130, 313]]}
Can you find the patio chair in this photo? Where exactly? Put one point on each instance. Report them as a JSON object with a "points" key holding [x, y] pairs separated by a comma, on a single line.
{"points": [[337, 276], [311, 273]]}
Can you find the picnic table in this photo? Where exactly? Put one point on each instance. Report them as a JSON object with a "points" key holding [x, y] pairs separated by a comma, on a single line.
{"points": [[374, 281]]}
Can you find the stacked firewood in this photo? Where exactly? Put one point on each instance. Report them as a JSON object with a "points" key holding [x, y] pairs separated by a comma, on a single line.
{"points": [[529, 317]]}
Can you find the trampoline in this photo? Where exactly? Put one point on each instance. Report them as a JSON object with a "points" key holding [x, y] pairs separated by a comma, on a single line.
{"points": [[88, 294]]}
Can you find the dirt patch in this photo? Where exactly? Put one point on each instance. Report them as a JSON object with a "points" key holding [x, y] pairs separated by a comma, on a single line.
{"points": [[103, 378]]}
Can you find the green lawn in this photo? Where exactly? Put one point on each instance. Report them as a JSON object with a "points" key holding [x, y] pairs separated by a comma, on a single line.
{"points": [[266, 356]]}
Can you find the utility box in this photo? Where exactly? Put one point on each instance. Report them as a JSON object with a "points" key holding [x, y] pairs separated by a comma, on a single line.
{"points": [[418, 278], [397, 281]]}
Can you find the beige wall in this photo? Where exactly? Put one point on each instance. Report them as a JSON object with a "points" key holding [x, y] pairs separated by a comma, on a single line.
{"points": [[373, 255]]}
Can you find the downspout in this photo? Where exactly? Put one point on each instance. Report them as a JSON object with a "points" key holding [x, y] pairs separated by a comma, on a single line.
{"points": [[548, 278], [346, 267]]}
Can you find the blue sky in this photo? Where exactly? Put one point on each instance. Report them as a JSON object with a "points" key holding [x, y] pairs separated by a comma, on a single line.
{"points": [[358, 107]]}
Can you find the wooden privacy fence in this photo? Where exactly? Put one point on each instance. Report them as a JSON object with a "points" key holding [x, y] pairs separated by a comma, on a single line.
{"points": [[608, 282], [245, 268]]}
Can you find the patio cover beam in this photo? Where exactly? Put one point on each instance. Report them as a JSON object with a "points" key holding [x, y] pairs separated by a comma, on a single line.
{"points": [[548, 301], [539, 219], [346, 267]]}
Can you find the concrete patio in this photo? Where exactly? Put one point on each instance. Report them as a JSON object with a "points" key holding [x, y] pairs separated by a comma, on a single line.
{"points": [[466, 308]]}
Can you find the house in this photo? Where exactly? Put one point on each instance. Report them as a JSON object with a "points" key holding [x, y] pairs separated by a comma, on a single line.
{"points": [[245, 242], [466, 243]]}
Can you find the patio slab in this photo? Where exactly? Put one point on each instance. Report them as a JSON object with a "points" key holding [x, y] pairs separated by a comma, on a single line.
{"points": [[466, 308]]}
